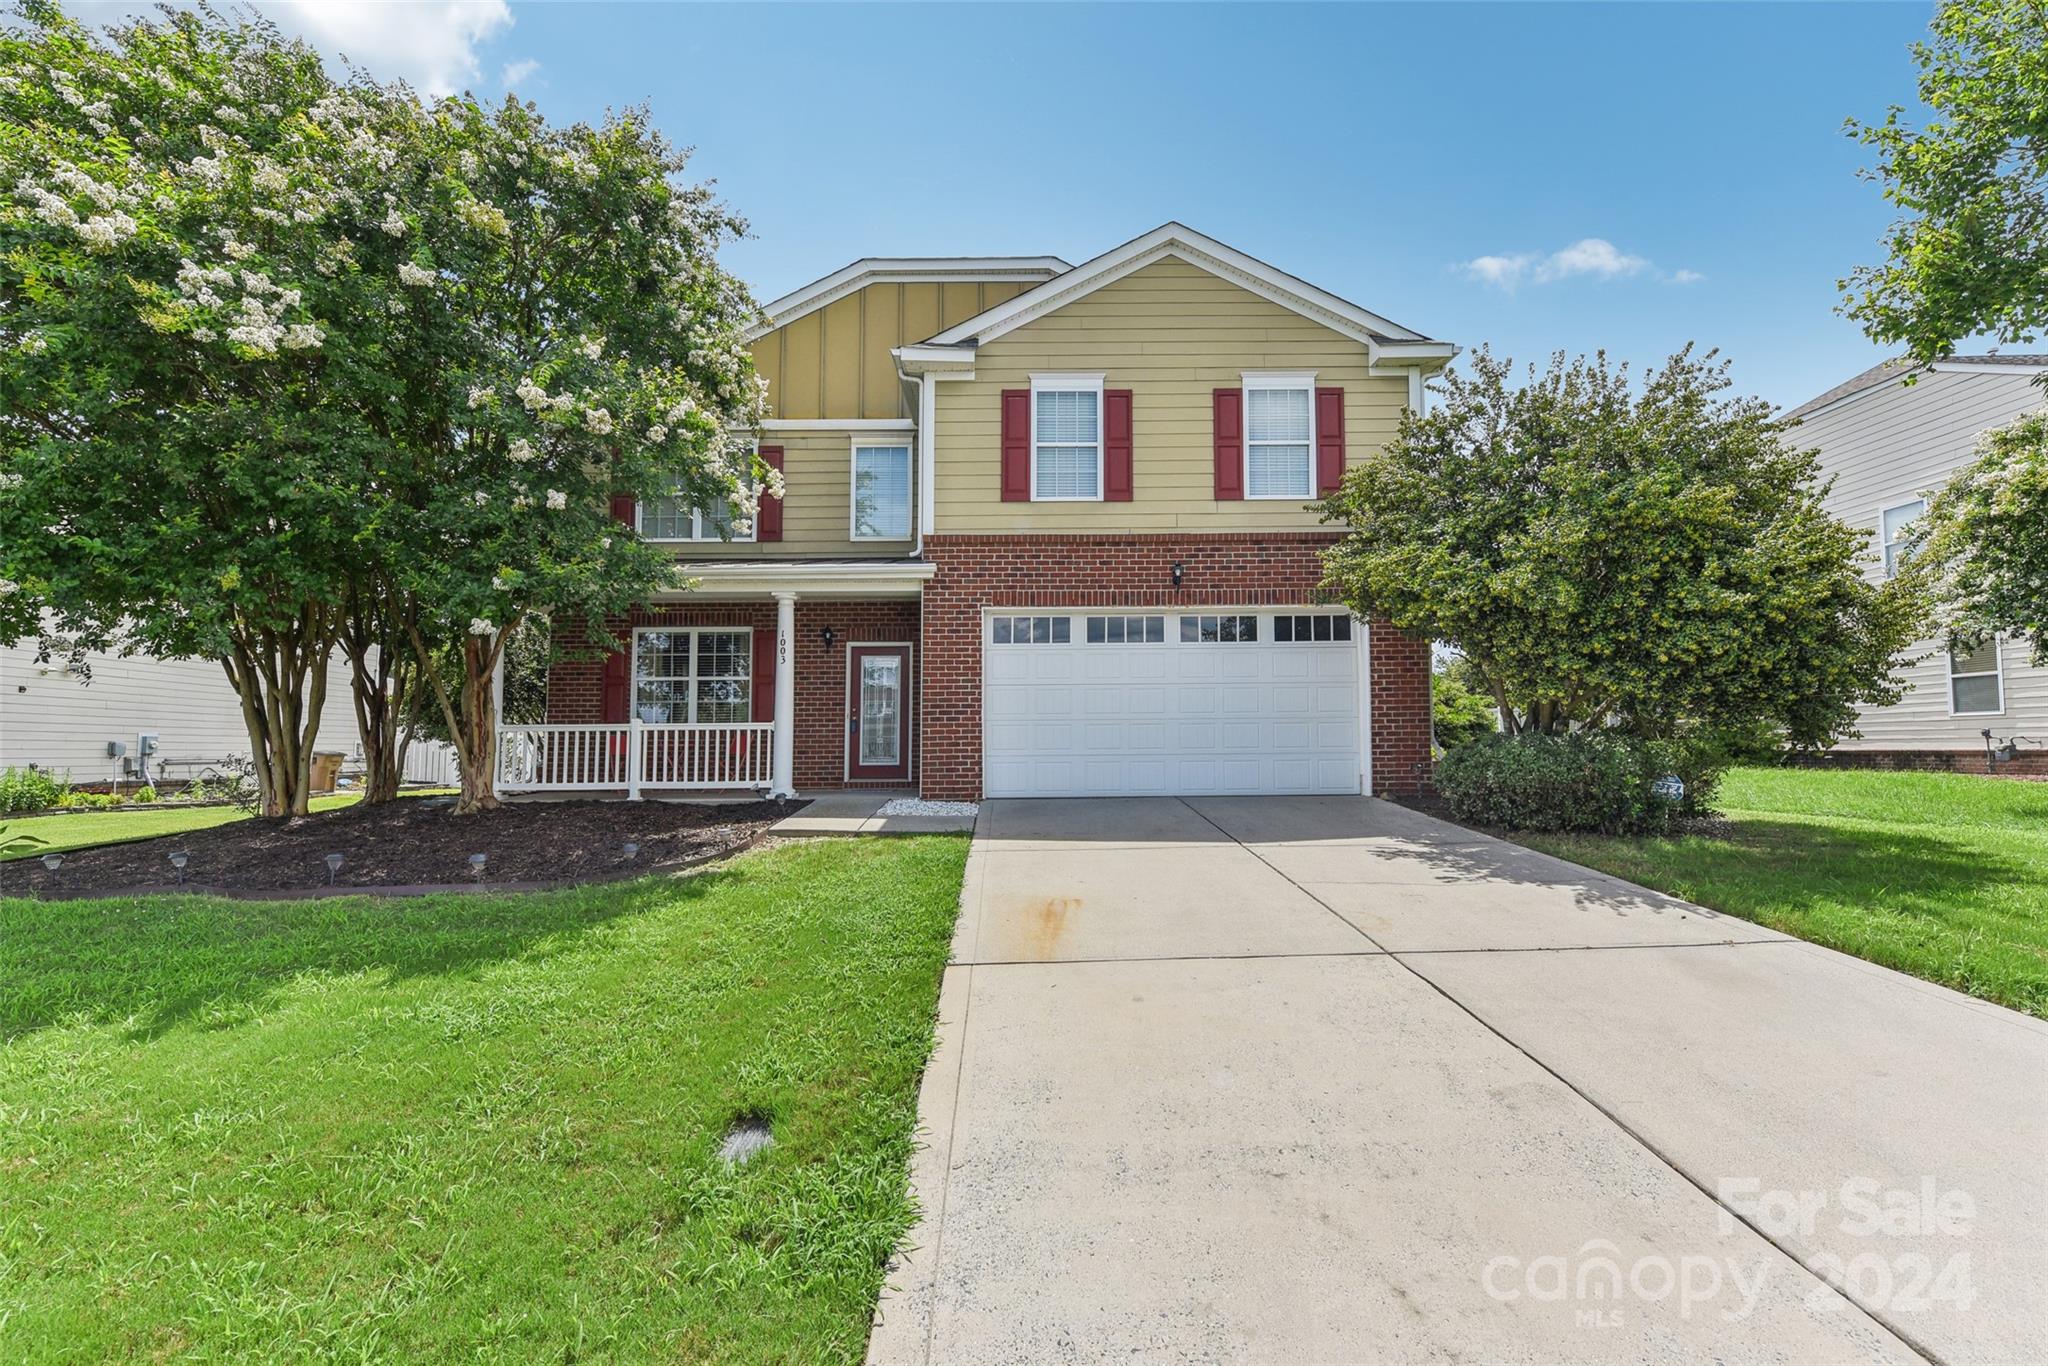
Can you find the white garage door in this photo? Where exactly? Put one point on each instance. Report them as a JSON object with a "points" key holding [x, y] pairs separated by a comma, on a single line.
{"points": [[1138, 702]]}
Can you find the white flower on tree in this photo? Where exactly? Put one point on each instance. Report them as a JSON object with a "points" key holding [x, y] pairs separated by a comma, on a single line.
{"points": [[521, 450], [480, 626], [413, 275], [557, 500]]}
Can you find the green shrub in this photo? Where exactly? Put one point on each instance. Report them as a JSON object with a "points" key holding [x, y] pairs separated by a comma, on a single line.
{"points": [[144, 794], [1601, 781], [30, 789], [1459, 712], [90, 801]]}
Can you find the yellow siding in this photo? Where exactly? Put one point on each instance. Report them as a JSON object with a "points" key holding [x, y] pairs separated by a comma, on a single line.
{"points": [[835, 362], [1172, 333], [817, 471]]}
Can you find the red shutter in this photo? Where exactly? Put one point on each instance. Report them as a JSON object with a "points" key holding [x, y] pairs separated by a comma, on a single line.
{"points": [[618, 676], [622, 508], [764, 673], [1229, 435], [1116, 445], [1329, 439], [1016, 445], [768, 526]]}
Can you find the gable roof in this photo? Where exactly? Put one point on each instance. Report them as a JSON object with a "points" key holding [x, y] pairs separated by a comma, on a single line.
{"points": [[1901, 367], [857, 275], [1382, 336]]}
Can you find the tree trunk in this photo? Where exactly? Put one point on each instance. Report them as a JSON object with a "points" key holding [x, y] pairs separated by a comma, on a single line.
{"points": [[471, 713], [281, 679], [479, 749], [385, 692]]}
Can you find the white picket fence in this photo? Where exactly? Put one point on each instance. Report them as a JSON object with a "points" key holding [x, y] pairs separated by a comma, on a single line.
{"points": [[431, 763], [635, 756]]}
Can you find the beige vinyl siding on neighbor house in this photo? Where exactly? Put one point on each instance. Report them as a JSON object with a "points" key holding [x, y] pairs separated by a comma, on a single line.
{"points": [[817, 508], [1172, 333], [834, 362], [1890, 445]]}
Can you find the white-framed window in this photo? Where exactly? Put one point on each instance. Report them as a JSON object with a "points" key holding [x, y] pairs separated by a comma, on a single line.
{"points": [[1892, 524], [1312, 630], [1066, 438], [1279, 436], [696, 675], [1230, 629], [881, 490], [672, 519], [1976, 680], [1032, 630], [1127, 630]]}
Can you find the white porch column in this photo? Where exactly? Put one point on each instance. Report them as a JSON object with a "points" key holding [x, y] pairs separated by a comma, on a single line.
{"points": [[784, 745]]}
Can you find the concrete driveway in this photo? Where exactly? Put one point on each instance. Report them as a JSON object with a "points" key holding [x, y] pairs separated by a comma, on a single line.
{"points": [[1324, 1080]]}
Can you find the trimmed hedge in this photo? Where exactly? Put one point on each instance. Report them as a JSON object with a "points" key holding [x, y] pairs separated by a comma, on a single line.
{"points": [[1605, 782]]}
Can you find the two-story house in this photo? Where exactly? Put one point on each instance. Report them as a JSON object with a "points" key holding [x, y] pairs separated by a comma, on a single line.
{"points": [[1888, 439], [1046, 530]]}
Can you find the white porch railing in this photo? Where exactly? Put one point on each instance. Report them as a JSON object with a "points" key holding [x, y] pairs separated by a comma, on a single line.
{"points": [[635, 756]]}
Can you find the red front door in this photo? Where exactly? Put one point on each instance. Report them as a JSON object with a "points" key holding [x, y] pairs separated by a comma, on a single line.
{"points": [[878, 713]]}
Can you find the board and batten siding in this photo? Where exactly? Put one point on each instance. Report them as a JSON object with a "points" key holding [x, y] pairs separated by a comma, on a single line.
{"points": [[1172, 333], [59, 722], [835, 362], [1898, 442], [817, 502]]}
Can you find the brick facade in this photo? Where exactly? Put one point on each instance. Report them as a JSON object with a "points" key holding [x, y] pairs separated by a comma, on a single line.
{"points": [[576, 688], [2028, 763], [1136, 570]]}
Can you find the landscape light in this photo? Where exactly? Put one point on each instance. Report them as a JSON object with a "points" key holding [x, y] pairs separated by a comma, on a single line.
{"points": [[476, 863], [53, 861], [178, 862], [631, 849], [333, 867]]}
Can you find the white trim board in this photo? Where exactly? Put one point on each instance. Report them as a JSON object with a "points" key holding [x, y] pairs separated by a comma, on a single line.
{"points": [[1380, 335], [869, 270], [838, 424]]}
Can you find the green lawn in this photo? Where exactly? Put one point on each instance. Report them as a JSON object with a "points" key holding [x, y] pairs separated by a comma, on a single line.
{"points": [[468, 1127], [1940, 875], [83, 829]]}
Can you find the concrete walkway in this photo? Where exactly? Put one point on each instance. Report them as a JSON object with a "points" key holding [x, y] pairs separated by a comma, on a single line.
{"points": [[1296, 1080]]}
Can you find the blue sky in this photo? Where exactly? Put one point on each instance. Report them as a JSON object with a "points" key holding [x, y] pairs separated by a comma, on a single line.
{"points": [[1377, 150]]}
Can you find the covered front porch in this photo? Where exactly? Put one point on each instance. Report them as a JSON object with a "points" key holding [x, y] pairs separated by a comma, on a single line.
{"points": [[767, 677]]}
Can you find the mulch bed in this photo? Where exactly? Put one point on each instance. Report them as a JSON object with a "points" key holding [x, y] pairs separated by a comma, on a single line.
{"points": [[415, 842]]}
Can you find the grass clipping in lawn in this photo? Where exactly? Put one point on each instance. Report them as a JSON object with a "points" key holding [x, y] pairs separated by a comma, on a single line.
{"points": [[469, 1126], [1944, 876]]}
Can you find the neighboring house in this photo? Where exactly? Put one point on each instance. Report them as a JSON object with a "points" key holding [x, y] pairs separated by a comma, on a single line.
{"points": [[1889, 445], [172, 720], [1045, 531]]}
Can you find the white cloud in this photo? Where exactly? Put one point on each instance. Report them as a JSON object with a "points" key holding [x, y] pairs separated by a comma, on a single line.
{"points": [[1686, 277], [1595, 257], [1504, 271], [430, 43], [517, 72], [1588, 256]]}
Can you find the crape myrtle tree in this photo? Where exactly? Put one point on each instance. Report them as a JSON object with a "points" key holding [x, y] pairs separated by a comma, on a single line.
{"points": [[1970, 254], [1603, 553], [1982, 546], [289, 362], [182, 362], [564, 337]]}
